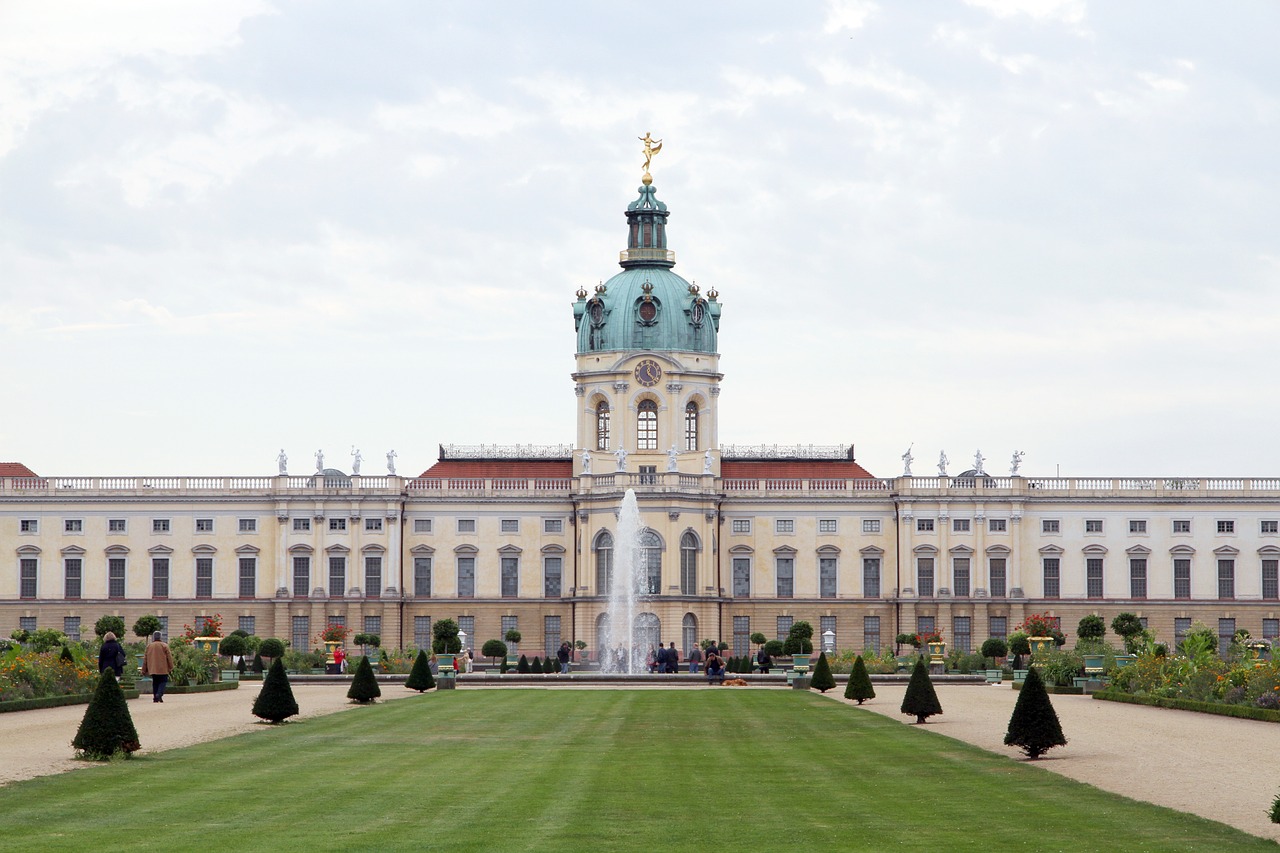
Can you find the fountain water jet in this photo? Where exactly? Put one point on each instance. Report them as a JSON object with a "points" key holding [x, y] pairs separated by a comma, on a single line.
{"points": [[625, 584]]}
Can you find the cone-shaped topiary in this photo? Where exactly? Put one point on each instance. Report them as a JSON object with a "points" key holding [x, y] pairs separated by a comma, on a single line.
{"points": [[535, 665], [241, 667], [364, 687], [107, 727], [66, 655], [1034, 725], [420, 676], [822, 680], [549, 665], [503, 666], [275, 702], [859, 686], [523, 665], [920, 699], [257, 663]]}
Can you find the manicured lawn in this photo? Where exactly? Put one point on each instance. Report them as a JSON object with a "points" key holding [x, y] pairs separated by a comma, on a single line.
{"points": [[510, 770]]}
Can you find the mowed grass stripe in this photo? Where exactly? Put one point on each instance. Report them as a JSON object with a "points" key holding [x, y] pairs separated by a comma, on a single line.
{"points": [[513, 770]]}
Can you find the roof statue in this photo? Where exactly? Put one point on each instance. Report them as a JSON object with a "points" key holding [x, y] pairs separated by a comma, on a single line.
{"points": [[391, 462], [586, 461], [621, 455], [320, 461], [355, 460], [673, 457], [942, 464], [283, 461], [907, 459], [978, 459], [651, 146], [1015, 463]]}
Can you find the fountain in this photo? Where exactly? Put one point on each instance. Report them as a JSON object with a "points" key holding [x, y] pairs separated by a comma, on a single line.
{"points": [[624, 589]]}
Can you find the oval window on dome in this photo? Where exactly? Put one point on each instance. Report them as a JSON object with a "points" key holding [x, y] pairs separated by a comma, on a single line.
{"points": [[597, 311], [648, 311], [698, 313]]}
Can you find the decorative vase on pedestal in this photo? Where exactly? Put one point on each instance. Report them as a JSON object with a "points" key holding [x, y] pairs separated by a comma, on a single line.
{"points": [[207, 644], [937, 652], [329, 646], [1040, 646]]}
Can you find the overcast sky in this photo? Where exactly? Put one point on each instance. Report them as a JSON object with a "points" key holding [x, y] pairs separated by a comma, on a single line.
{"points": [[1038, 225]]}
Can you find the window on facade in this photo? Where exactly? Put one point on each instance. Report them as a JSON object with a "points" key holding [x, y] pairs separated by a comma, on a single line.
{"points": [[925, 625], [870, 525], [602, 426], [784, 626], [159, 525], [1050, 525], [870, 634], [422, 632], [962, 633], [552, 571], [1226, 579], [959, 525], [1181, 578], [827, 577], [160, 578], [466, 525], [373, 525], [786, 568], [825, 624], [372, 577], [960, 576], [117, 525], [741, 577], [648, 475], [688, 564], [301, 525], [72, 566], [27, 577], [421, 577], [741, 635], [337, 576], [1270, 629], [204, 577], [1093, 577], [924, 525], [1270, 586], [510, 577], [466, 577], [205, 525], [870, 577], [996, 568], [647, 425], [1226, 634], [651, 561], [73, 525], [998, 626], [1093, 525], [1137, 525], [550, 635], [1182, 525], [784, 525], [248, 525], [248, 577], [1052, 577], [1181, 627], [691, 426], [509, 623], [1226, 526], [71, 627], [467, 624], [373, 625], [553, 525], [301, 577], [29, 525], [828, 525], [924, 576], [509, 525], [604, 563], [741, 525], [422, 525], [115, 577], [1137, 578], [300, 628], [337, 525], [997, 525]]}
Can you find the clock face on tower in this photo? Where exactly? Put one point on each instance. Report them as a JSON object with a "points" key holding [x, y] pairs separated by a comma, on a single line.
{"points": [[648, 373]]}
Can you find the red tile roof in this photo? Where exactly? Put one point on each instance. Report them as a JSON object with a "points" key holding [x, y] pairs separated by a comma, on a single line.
{"points": [[501, 468], [15, 469], [777, 469]]}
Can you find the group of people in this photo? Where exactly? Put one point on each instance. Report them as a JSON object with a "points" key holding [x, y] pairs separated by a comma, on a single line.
{"points": [[157, 661], [663, 659]]}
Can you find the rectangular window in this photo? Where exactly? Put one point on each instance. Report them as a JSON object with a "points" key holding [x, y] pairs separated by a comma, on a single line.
{"points": [[466, 525], [1226, 526], [1137, 578], [1182, 525], [741, 577], [300, 628], [741, 525], [925, 624], [553, 525], [71, 627], [1093, 525], [997, 525], [741, 635], [648, 474], [688, 565], [784, 626], [1268, 526], [117, 525], [421, 577], [246, 624], [422, 525], [372, 577], [29, 525], [1270, 629], [1050, 525], [72, 565], [422, 632], [204, 577], [786, 577], [959, 525], [115, 577], [1093, 577], [509, 623], [510, 525], [870, 525], [27, 577], [550, 636], [202, 625], [924, 577], [870, 634], [1052, 577], [870, 577], [784, 525], [1226, 633], [337, 576], [205, 525], [552, 574], [248, 525], [1270, 582], [1137, 525], [248, 577], [466, 577], [924, 525], [301, 525], [962, 633], [510, 577], [1181, 627], [160, 577], [301, 577], [1226, 579], [998, 626], [827, 577], [998, 572], [467, 624], [828, 525], [825, 624], [337, 525], [27, 623], [73, 525], [373, 625], [373, 525], [159, 525], [960, 571], [164, 628], [1182, 578]]}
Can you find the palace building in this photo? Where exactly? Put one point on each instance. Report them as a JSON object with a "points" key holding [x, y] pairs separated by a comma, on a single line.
{"points": [[737, 539]]}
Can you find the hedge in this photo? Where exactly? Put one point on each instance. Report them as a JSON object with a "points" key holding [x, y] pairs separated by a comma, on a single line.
{"points": [[55, 701], [202, 688], [1245, 712]]}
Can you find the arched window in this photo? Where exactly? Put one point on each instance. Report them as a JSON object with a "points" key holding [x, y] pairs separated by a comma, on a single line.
{"points": [[602, 426], [603, 640], [647, 633], [647, 426], [688, 564], [691, 426], [651, 561], [689, 633], [604, 563]]}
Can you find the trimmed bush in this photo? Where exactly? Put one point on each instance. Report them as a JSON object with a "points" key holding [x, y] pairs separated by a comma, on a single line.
{"points": [[758, 639], [859, 686], [444, 635], [822, 680], [364, 687], [114, 624], [535, 665], [502, 666], [494, 649], [1018, 644], [1034, 726], [1274, 814], [107, 728], [242, 667], [773, 648], [994, 648], [513, 637], [233, 645], [272, 647], [523, 666], [145, 626], [420, 678], [1092, 627], [65, 655], [275, 702], [920, 699], [258, 666], [549, 665]]}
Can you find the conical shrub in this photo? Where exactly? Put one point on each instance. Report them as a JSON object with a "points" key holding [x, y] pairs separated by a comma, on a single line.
{"points": [[364, 687], [420, 678], [523, 665], [257, 663], [1034, 725], [66, 656], [107, 727], [920, 699], [859, 686], [822, 680], [549, 665], [275, 702], [535, 665]]}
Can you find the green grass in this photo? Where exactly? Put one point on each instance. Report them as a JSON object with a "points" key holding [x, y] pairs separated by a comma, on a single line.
{"points": [[511, 770]]}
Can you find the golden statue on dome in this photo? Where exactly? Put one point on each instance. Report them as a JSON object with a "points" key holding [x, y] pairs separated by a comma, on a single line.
{"points": [[651, 146]]}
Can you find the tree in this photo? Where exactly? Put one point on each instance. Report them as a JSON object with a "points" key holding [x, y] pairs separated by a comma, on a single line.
{"points": [[1128, 627], [1034, 725], [364, 687], [513, 637], [1019, 644], [107, 727], [799, 639], [773, 648], [549, 665], [114, 624], [822, 680], [535, 665], [859, 686], [66, 656], [272, 647], [1091, 627], [920, 699], [994, 648], [445, 637], [758, 639], [258, 665], [523, 665], [233, 646], [420, 676], [494, 649], [275, 702], [146, 626]]}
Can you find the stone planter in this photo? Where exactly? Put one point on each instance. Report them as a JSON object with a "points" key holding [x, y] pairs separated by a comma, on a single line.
{"points": [[800, 663], [1093, 664], [207, 644], [937, 652], [1124, 660], [1040, 646]]}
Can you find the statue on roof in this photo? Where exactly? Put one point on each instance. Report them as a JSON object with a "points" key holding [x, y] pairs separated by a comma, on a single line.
{"points": [[907, 459], [355, 459], [283, 461], [391, 462], [1015, 463], [978, 459], [942, 464], [651, 146], [320, 461]]}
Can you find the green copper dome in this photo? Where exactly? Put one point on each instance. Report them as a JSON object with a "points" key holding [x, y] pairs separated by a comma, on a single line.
{"points": [[646, 306]]}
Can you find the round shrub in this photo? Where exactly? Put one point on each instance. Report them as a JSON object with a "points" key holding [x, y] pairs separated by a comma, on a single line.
{"points": [[272, 647], [995, 648], [494, 649], [146, 626], [233, 645], [114, 624], [1092, 627]]}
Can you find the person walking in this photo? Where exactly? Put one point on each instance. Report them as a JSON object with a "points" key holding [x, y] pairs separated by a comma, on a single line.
{"points": [[111, 655], [562, 655], [157, 662], [764, 660], [695, 658]]}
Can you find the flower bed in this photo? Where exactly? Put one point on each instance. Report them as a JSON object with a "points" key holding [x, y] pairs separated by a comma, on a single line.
{"points": [[30, 675], [1242, 711], [56, 701]]}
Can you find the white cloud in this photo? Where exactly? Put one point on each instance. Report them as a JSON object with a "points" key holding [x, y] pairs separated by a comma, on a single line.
{"points": [[451, 110], [1068, 11], [850, 15]]}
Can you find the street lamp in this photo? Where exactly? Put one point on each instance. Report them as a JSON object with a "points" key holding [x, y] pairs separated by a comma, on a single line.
{"points": [[829, 641]]}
